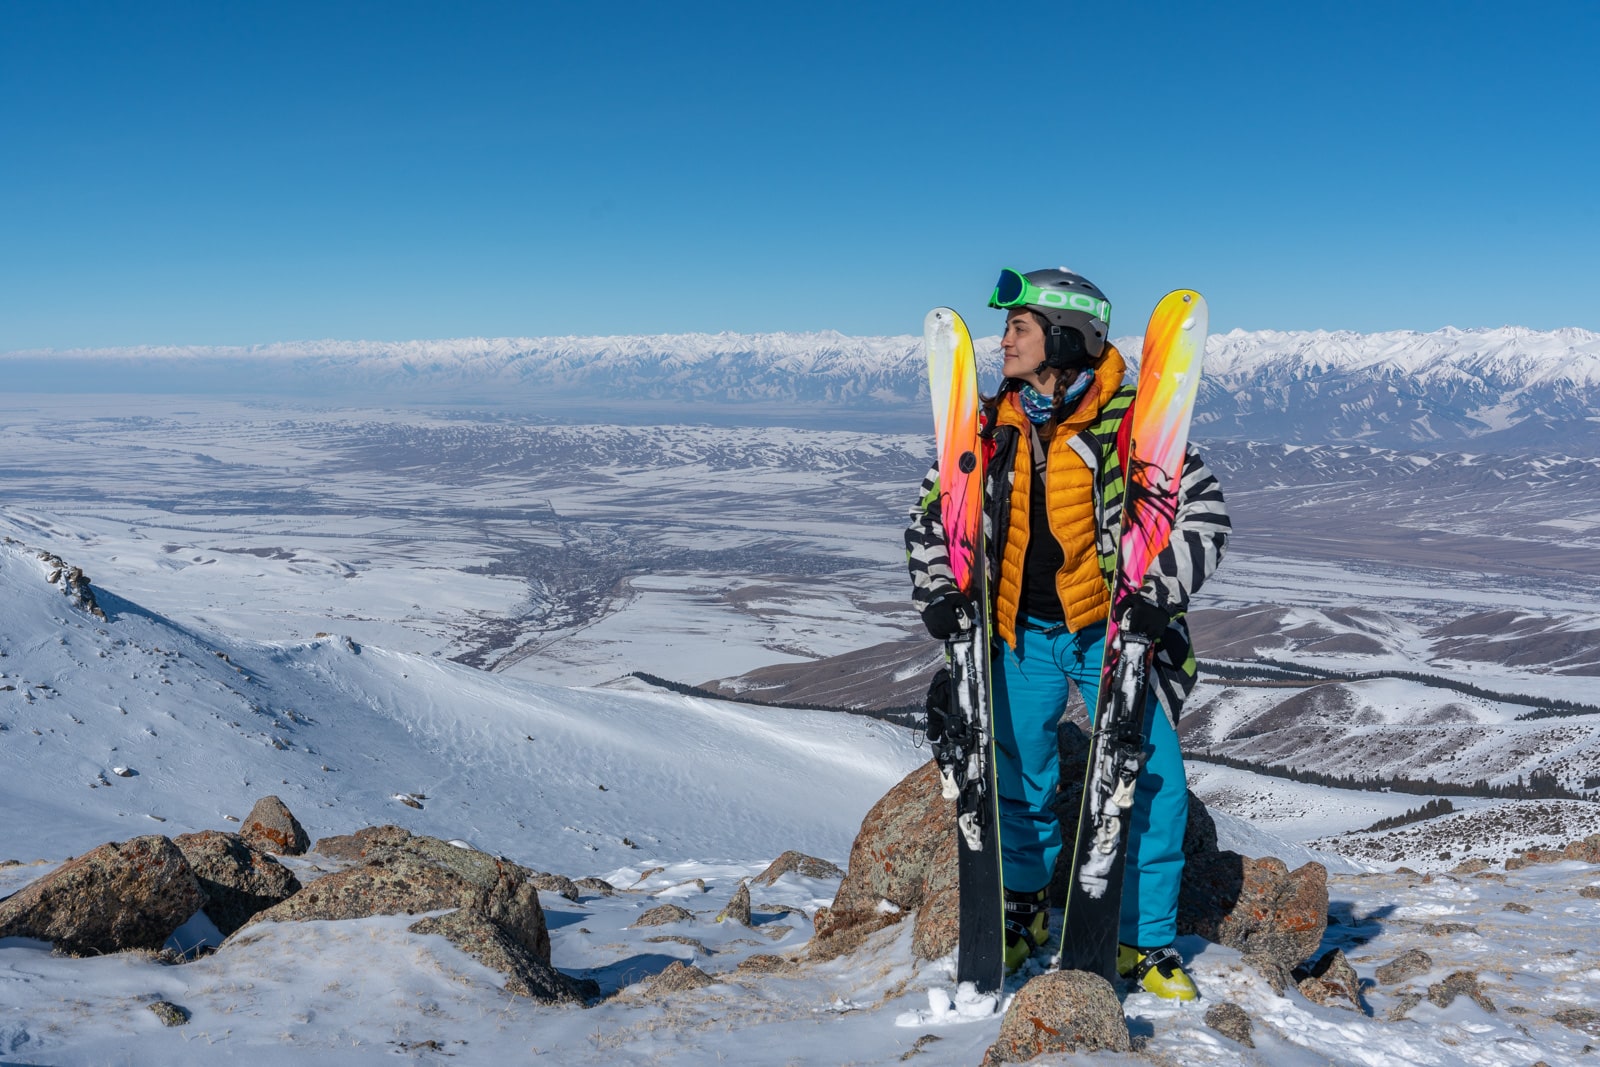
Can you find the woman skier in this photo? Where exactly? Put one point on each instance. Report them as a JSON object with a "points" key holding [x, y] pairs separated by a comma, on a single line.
{"points": [[1053, 489]]}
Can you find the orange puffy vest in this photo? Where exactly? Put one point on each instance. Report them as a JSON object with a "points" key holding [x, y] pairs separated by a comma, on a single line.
{"points": [[1069, 493]]}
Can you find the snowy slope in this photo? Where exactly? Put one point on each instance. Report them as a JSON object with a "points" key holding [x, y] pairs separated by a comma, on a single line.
{"points": [[710, 791], [207, 724]]}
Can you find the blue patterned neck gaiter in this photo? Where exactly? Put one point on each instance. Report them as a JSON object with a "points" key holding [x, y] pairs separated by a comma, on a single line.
{"points": [[1038, 407]]}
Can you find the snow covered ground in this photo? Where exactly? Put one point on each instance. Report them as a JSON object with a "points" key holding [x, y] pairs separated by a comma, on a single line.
{"points": [[284, 596]]}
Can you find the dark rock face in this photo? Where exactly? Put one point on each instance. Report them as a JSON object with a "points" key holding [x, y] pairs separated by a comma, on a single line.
{"points": [[526, 974], [127, 895], [410, 874], [798, 863], [1231, 1022], [1257, 906], [238, 881], [272, 827], [1063, 1011]]}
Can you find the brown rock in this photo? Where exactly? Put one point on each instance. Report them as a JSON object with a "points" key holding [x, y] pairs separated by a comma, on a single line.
{"points": [[120, 896], [738, 909], [272, 827], [903, 854], [356, 846], [664, 914], [526, 974], [1408, 964], [677, 978], [1460, 983], [238, 880], [1585, 851], [1470, 866], [597, 886], [792, 862], [1403, 1007], [1275, 972], [765, 963], [1588, 892], [1062, 1011], [1231, 1021], [1257, 906], [1518, 907], [1586, 1020], [426, 874], [558, 884], [1332, 979]]}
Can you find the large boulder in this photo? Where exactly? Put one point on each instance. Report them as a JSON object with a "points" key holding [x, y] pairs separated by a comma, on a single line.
{"points": [[238, 880], [903, 863], [1257, 906], [412, 874], [127, 895], [488, 942], [272, 827], [1060, 1012]]}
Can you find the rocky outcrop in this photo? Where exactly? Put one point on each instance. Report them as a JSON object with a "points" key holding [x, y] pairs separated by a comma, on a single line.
{"points": [[903, 863], [272, 827], [1063, 1011], [238, 881], [1408, 964], [1257, 906], [793, 862], [491, 945], [1232, 1022], [738, 909], [120, 896], [412, 874], [72, 582]]}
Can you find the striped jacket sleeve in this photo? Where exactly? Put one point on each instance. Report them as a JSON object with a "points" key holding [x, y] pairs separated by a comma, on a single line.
{"points": [[926, 555], [1199, 538]]}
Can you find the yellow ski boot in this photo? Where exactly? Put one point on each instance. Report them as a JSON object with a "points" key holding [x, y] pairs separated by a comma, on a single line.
{"points": [[1027, 926], [1156, 970]]}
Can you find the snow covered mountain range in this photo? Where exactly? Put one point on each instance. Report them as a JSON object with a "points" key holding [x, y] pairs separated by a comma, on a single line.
{"points": [[1504, 389]]}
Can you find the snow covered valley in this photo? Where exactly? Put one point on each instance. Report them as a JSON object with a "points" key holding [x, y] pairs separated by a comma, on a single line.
{"points": [[362, 612]]}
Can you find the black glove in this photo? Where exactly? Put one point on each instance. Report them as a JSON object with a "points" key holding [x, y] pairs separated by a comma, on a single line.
{"points": [[948, 616], [1138, 616]]}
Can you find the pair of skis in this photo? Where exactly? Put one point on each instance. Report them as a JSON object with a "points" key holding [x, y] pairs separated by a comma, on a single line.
{"points": [[1169, 375]]}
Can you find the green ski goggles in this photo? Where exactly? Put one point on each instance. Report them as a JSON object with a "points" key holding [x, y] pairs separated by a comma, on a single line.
{"points": [[1013, 290]]}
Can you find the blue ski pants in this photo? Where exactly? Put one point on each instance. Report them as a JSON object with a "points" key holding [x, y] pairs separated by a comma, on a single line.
{"points": [[1031, 686]]}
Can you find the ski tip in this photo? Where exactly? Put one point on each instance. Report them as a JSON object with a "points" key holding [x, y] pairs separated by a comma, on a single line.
{"points": [[1184, 308]]}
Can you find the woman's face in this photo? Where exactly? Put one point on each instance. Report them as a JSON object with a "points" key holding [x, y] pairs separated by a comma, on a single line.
{"points": [[1022, 345]]}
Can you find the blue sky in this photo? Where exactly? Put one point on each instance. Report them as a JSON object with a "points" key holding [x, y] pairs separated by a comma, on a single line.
{"points": [[242, 173]]}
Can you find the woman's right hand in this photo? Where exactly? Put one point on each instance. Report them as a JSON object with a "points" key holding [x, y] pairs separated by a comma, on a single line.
{"points": [[948, 616]]}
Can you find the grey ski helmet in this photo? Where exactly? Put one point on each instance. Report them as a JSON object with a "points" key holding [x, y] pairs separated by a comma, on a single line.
{"points": [[1078, 313]]}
